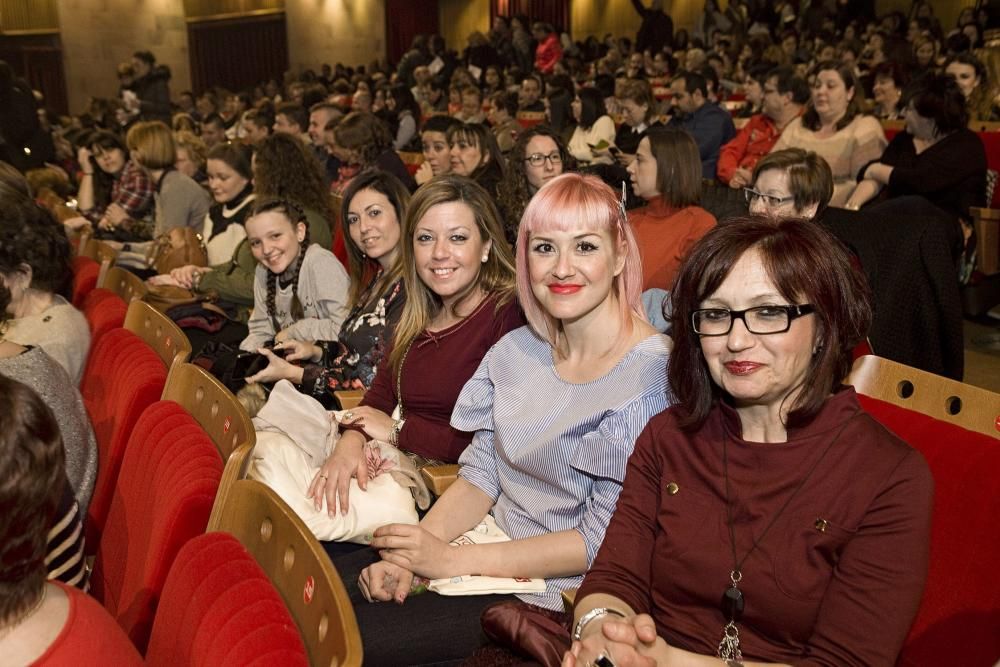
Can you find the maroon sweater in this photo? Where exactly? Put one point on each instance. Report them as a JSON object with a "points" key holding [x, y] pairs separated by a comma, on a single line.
{"points": [[436, 368], [836, 581]]}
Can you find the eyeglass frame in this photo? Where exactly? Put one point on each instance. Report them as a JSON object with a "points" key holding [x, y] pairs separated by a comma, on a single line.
{"points": [[769, 200], [538, 159], [792, 312]]}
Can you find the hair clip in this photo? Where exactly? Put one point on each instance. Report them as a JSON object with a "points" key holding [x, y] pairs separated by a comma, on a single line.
{"points": [[621, 203]]}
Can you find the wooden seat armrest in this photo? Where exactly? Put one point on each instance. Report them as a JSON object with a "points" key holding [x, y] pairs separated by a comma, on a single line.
{"points": [[349, 398], [985, 213], [439, 478], [569, 599]]}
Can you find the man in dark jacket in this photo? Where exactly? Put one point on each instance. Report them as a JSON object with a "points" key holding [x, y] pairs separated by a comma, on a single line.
{"points": [[24, 143], [150, 88], [657, 28]]}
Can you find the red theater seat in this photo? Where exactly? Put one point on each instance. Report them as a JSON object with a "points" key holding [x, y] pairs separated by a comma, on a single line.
{"points": [[162, 499], [959, 618], [220, 609], [123, 377], [104, 311], [85, 272]]}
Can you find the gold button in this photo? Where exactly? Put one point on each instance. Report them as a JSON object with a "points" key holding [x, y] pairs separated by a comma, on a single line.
{"points": [[821, 525], [672, 488]]}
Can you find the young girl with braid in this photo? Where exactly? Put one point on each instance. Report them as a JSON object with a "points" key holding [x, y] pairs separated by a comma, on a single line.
{"points": [[300, 290]]}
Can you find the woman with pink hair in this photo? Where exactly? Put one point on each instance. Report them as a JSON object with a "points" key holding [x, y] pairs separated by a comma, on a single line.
{"points": [[555, 408]]}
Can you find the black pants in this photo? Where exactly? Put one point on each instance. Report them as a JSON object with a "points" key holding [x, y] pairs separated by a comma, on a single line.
{"points": [[428, 629]]}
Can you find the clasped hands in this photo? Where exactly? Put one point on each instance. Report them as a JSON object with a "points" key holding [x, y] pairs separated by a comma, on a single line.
{"points": [[406, 550], [628, 642]]}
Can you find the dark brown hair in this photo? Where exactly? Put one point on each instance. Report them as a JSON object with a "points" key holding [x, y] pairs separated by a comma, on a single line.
{"points": [[363, 132], [810, 119], [807, 264], [296, 216], [514, 191], [286, 168], [678, 166], [32, 479], [809, 176], [360, 267]]}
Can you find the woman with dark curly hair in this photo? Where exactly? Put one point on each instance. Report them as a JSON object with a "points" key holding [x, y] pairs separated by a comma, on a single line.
{"points": [[42, 622], [538, 156], [35, 268], [363, 142]]}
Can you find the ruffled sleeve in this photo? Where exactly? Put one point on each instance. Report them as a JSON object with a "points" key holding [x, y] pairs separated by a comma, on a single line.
{"points": [[474, 413], [604, 454]]}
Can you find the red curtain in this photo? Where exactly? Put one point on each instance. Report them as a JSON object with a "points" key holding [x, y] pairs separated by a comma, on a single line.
{"points": [[237, 53], [404, 20], [555, 12]]}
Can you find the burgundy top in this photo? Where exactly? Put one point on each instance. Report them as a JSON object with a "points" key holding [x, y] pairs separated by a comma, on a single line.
{"points": [[837, 579], [434, 371]]}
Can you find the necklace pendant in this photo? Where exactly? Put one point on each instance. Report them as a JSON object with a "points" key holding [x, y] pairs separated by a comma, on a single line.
{"points": [[733, 603], [729, 647]]}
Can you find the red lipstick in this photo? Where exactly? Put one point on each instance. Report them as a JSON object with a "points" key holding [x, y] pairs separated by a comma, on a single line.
{"points": [[557, 288], [741, 367]]}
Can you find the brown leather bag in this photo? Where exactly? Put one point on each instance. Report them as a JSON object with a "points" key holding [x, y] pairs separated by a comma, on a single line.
{"points": [[165, 297], [179, 247]]}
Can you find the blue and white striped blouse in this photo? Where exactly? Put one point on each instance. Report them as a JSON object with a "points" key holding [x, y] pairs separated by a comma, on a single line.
{"points": [[552, 454]]}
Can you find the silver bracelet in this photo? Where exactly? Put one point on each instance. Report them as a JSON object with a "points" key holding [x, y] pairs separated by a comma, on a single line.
{"points": [[596, 612]]}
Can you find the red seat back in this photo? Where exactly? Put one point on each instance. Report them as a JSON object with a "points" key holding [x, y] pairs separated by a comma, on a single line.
{"points": [[220, 609], [123, 377], [163, 497], [85, 272], [959, 618], [104, 311]]}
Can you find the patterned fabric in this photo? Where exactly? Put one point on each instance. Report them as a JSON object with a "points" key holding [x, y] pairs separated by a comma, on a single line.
{"points": [[351, 361], [555, 464], [133, 191], [64, 558]]}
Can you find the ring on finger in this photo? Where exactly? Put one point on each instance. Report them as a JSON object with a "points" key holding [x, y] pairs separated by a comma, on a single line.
{"points": [[603, 661], [324, 476], [348, 415]]}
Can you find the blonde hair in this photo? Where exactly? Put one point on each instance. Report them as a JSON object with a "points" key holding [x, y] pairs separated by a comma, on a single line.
{"points": [[496, 274], [195, 147], [152, 144]]}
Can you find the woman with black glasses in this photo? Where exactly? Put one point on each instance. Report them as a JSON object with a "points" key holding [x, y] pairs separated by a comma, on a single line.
{"points": [[765, 518], [790, 183], [538, 156]]}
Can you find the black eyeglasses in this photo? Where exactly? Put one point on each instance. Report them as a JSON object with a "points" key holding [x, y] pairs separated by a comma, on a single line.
{"points": [[761, 320], [769, 200], [538, 159]]}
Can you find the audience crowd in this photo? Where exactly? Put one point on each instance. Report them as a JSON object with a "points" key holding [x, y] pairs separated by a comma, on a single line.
{"points": [[509, 248]]}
